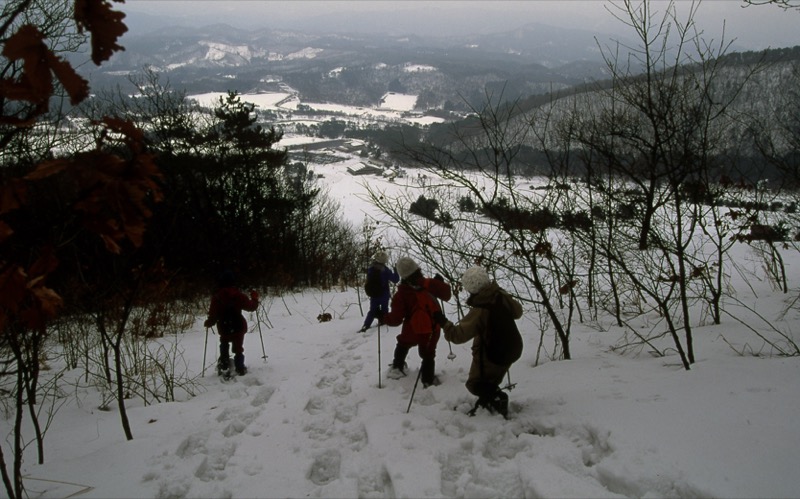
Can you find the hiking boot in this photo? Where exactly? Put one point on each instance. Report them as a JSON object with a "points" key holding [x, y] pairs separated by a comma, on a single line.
{"points": [[426, 372], [482, 402], [363, 329], [396, 372], [223, 364], [433, 382], [495, 403], [500, 403], [238, 361]]}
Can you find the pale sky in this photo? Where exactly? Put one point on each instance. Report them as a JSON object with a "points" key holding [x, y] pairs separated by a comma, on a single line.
{"points": [[754, 27]]}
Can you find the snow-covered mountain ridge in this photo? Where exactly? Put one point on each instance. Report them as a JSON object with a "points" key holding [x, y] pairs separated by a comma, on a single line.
{"points": [[529, 60]]}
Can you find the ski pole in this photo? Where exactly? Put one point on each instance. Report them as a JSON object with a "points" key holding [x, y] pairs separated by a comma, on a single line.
{"points": [[260, 335], [419, 374], [205, 347], [379, 354], [413, 391], [510, 385], [451, 355]]}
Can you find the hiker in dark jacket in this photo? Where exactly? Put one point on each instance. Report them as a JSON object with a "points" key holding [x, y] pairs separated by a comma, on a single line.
{"points": [[484, 376], [225, 312], [379, 304], [413, 306]]}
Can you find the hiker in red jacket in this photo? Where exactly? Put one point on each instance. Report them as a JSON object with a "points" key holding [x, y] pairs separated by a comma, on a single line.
{"points": [[413, 306], [226, 312]]}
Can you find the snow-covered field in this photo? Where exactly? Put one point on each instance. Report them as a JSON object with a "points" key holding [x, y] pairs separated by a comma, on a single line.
{"points": [[394, 107], [318, 418]]}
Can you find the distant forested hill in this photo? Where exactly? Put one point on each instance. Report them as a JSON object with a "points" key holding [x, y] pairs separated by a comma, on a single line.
{"points": [[359, 69]]}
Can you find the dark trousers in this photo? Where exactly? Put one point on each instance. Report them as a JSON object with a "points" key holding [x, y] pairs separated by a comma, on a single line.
{"points": [[237, 342], [377, 303], [484, 377], [426, 346]]}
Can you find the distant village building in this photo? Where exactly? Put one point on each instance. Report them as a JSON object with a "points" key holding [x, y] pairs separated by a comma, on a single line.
{"points": [[369, 168], [353, 147], [317, 145]]}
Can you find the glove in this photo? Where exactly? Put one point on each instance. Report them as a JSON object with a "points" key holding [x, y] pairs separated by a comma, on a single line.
{"points": [[208, 323], [254, 295], [439, 318], [439, 277]]}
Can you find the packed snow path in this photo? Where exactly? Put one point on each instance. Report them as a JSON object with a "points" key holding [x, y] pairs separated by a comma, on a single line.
{"points": [[311, 421], [345, 437]]}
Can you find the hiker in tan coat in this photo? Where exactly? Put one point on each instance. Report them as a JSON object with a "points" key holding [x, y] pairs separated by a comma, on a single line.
{"points": [[488, 368]]}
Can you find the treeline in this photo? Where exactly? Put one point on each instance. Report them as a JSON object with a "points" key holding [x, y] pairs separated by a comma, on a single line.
{"points": [[117, 212], [233, 200], [654, 181], [229, 199]]}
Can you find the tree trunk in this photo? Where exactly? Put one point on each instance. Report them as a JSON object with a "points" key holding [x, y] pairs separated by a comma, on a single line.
{"points": [[123, 413]]}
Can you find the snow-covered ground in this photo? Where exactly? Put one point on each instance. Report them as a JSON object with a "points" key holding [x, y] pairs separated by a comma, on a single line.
{"points": [[394, 107], [318, 418], [398, 102]]}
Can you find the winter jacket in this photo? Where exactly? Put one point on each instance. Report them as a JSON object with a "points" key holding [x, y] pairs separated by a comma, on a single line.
{"points": [[387, 275], [474, 325], [230, 298], [404, 303]]}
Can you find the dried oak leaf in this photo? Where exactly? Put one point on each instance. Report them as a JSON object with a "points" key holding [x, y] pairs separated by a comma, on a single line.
{"points": [[13, 282], [35, 83], [39, 65], [44, 265], [48, 304], [105, 25], [47, 168]]}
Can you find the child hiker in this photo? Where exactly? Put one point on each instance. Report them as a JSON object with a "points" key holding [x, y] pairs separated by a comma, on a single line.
{"points": [[413, 306], [225, 311], [378, 278], [488, 368]]}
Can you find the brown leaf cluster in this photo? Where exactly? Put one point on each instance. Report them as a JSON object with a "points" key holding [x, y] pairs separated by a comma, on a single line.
{"points": [[25, 297], [116, 192], [35, 83], [105, 25]]}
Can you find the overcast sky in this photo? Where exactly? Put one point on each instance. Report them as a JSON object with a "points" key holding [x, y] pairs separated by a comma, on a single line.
{"points": [[754, 27]]}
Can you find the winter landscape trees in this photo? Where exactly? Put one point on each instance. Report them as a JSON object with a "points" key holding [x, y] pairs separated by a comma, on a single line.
{"points": [[637, 201], [105, 192], [113, 222], [77, 259]]}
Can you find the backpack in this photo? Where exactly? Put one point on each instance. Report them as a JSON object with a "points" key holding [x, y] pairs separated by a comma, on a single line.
{"points": [[502, 341], [230, 318], [373, 286], [421, 316]]}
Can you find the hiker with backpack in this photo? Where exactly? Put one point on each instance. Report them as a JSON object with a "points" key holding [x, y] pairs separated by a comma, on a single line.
{"points": [[413, 305], [225, 312], [496, 341], [377, 287]]}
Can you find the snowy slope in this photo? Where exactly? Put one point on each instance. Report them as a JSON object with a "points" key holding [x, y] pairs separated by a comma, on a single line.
{"points": [[311, 421], [318, 418]]}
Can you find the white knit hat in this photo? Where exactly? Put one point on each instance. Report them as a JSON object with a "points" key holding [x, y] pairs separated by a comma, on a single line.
{"points": [[381, 257], [406, 266], [475, 279]]}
